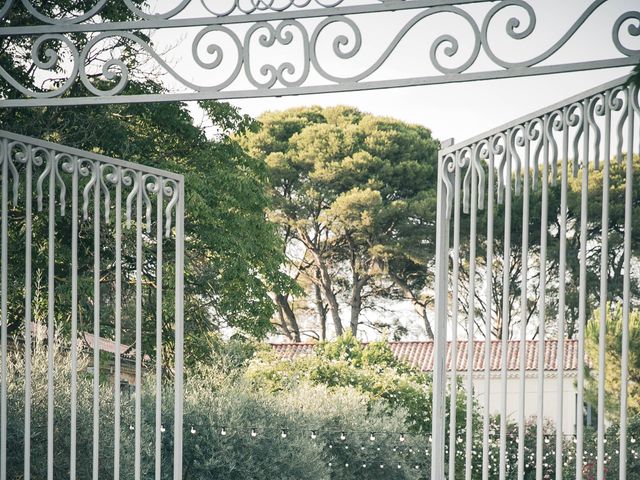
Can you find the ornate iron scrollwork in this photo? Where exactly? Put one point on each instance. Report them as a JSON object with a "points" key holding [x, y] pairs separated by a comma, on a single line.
{"points": [[230, 38]]}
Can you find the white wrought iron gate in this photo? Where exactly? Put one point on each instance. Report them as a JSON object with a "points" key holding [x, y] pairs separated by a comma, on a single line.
{"points": [[523, 255], [92, 268]]}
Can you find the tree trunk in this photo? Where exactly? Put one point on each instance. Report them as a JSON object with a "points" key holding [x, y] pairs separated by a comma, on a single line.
{"points": [[287, 314], [325, 281], [356, 302], [322, 311], [283, 323], [422, 311], [420, 307]]}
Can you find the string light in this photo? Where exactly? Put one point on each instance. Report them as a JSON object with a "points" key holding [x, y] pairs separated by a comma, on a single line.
{"points": [[162, 429], [408, 449]]}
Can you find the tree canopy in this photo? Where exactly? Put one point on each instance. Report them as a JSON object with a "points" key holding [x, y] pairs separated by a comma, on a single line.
{"points": [[354, 197]]}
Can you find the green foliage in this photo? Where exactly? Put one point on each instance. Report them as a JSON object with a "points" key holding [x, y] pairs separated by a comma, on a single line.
{"points": [[355, 193], [369, 368], [214, 401], [232, 253], [613, 358]]}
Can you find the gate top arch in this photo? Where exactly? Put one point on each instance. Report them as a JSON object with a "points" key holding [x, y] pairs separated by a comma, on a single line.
{"points": [[260, 48]]}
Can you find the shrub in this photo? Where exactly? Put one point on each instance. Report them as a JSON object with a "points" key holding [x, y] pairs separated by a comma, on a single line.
{"points": [[213, 402]]}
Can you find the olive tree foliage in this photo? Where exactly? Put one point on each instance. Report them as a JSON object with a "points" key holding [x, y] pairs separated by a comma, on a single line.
{"points": [[354, 198], [232, 252]]}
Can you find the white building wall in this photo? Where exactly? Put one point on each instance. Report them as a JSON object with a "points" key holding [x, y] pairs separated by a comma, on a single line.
{"points": [[551, 400]]}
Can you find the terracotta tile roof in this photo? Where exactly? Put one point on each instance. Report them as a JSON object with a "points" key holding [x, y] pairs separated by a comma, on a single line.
{"points": [[420, 354], [88, 339]]}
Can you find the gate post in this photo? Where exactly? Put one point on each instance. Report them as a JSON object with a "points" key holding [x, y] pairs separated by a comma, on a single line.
{"points": [[440, 332]]}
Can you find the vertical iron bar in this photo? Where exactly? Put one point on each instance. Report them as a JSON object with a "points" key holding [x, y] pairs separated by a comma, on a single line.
{"points": [[439, 379], [138, 386], [506, 310], [583, 278], [96, 322], [118, 325], [487, 338], [74, 315], [3, 308], [454, 321], [179, 340], [27, 312], [51, 312], [159, 240], [542, 300], [524, 305], [628, 225], [562, 279], [471, 319]]}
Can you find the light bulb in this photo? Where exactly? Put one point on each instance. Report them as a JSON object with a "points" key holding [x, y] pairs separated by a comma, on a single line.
{"points": [[132, 428], [162, 429], [343, 437], [372, 437], [193, 430], [314, 435], [402, 437], [254, 432], [283, 434], [223, 431]]}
